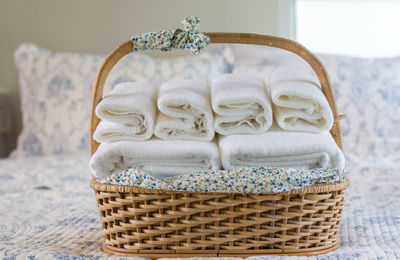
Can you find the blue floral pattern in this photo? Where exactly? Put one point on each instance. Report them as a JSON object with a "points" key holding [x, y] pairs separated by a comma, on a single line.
{"points": [[368, 92], [190, 38], [245, 180]]}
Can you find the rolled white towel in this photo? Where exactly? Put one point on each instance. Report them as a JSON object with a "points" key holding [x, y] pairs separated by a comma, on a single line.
{"points": [[279, 148], [107, 132], [132, 105], [298, 102], [157, 157], [241, 104], [186, 112]]}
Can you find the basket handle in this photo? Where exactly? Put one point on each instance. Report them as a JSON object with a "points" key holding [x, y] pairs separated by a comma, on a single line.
{"points": [[217, 37]]}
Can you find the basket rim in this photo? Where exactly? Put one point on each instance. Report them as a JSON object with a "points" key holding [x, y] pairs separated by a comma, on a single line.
{"points": [[133, 189], [225, 253]]}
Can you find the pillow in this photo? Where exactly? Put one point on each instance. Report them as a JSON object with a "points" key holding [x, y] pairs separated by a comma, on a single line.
{"points": [[55, 91], [368, 91]]}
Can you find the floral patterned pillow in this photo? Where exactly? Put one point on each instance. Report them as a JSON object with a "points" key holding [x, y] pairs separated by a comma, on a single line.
{"points": [[55, 91], [367, 90]]}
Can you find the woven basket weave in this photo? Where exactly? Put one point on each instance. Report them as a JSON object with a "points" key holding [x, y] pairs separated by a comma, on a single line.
{"points": [[157, 223]]}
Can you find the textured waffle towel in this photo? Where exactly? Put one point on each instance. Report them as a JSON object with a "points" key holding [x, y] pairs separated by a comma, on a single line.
{"points": [[158, 157], [298, 102], [128, 111], [279, 148], [241, 104], [185, 111]]}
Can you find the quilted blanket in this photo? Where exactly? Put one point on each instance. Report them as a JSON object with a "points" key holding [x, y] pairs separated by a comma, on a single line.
{"points": [[47, 210]]}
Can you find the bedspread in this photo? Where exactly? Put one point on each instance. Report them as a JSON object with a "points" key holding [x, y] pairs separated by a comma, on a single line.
{"points": [[47, 210]]}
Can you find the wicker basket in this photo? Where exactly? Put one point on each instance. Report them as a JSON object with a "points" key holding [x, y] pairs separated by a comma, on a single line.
{"points": [[156, 223]]}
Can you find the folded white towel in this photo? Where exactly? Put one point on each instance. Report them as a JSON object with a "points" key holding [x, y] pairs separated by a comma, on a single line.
{"points": [[107, 132], [279, 148], [157, 157], [298, 102], [186, 112], [241, 103], [130, 104]]}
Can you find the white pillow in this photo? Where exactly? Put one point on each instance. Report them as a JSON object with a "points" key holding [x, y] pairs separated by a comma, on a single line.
{"points": [[55, 91]]}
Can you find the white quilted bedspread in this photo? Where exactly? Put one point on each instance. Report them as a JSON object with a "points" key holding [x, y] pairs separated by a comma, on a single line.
{"points": [[47, 210]]}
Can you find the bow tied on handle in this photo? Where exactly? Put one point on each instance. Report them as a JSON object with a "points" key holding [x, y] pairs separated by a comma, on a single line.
{"points": [[190, 38], [191, 24]]}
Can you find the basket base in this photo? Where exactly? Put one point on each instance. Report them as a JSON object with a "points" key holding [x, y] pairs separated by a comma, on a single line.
{"points": [[242, 254]]}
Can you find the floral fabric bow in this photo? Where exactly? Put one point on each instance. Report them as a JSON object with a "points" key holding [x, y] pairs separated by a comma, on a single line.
{"points": [[189, 38]]}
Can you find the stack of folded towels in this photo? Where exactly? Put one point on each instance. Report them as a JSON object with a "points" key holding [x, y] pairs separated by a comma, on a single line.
{"points": [[183, 126], [170, 130]]}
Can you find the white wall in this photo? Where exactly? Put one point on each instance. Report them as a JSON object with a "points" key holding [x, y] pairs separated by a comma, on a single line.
{"points": [[97, 26], [347, 31]]}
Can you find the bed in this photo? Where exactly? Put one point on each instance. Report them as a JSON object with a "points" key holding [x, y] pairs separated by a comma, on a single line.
{"points": [[47, 209]]}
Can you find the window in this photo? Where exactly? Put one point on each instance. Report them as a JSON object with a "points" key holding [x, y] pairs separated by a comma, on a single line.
{"points": [[358, 27]]}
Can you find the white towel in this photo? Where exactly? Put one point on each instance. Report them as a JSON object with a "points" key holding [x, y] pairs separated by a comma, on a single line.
{"points": [[186, 112], [279, 148], [107, 132], [298, 102], [129, 104], [241, 104], [157, 157]]}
